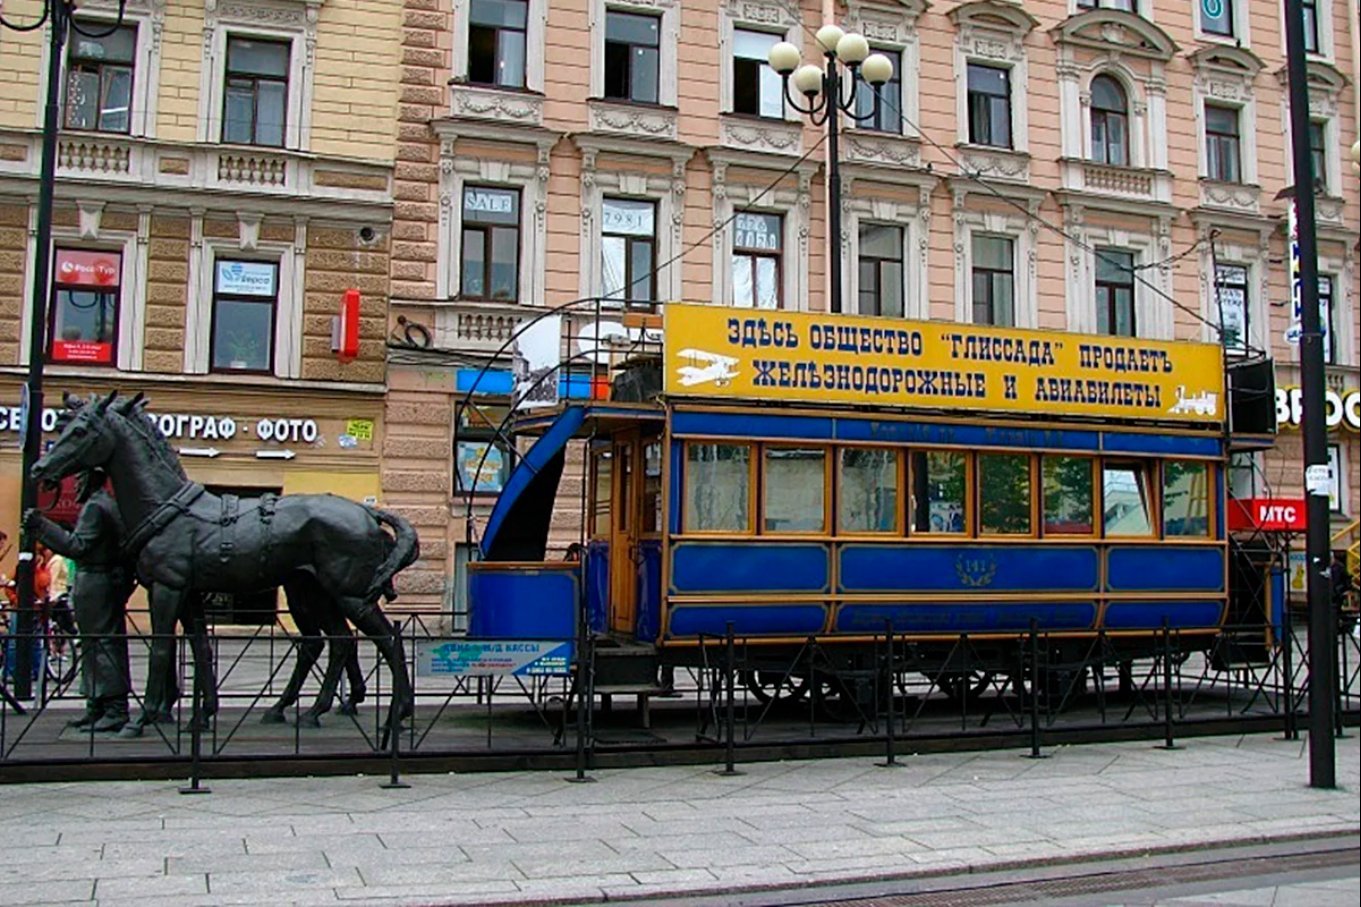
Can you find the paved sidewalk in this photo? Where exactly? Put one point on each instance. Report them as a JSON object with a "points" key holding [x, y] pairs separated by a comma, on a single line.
{"points": [[458, 839]]}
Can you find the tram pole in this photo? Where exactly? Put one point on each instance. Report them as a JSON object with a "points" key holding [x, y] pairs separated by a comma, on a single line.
{"points": [[1322, 623]]}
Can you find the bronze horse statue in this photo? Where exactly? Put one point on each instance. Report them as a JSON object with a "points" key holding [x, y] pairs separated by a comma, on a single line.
{"points": [[334, 557]]}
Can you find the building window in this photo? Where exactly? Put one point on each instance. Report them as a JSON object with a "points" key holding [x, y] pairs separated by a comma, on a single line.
{"points": [[1318, 153], [1243, 469], [881, 270], [756, 88], [1231, 291], [1222, 144], [1326, 320], [256, 97], [482, 464], [994, 280], [989, 105], [756, 253], [1310, 8], [1110, 122], [245, 299], [1216, 17], [496, 42], [99, 72], [628, 249], [84, 316], [1129, 6], [491, 244], [881, 109], [1335, 480], [632, 55], [1115, 293]]}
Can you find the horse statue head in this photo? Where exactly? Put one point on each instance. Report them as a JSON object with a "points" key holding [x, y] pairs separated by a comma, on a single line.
{"points": [[86, 440]]}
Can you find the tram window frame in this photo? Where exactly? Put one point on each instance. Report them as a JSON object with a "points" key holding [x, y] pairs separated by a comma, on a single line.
{"points": [[1093, 502], [1144, 474], [652, 504], [1207, 499], [601, 451], [688, 484], [966, 502], [900, 484], [1032, 523], [826, 454]]}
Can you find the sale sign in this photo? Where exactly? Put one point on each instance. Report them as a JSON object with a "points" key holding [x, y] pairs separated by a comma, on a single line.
{"points": [[1267, 514]]}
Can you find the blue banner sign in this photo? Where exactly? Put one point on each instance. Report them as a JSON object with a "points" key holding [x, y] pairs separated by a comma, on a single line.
{"points": [[498, 658]]}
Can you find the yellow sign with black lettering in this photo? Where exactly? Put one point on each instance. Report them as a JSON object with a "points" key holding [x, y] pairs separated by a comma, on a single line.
{"points": [[812, 358]]}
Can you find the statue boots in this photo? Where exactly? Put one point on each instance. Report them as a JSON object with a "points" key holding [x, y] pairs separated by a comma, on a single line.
{"points": [[113, 716], [91, 714]]}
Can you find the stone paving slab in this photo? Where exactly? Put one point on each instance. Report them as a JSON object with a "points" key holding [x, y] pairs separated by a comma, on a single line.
{"points": [[653, 832]]}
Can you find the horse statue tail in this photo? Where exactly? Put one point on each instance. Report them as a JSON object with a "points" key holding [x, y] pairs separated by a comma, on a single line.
{"points": [[403, 547]]}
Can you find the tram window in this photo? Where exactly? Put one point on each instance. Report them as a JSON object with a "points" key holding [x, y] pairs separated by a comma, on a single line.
{"points": [[1067, 495], [795, 489], [1124, 499], [1186, 498], [939, 478], [717, 488], [652, 487], [1004, 494], [601, 494], [867, 490]]}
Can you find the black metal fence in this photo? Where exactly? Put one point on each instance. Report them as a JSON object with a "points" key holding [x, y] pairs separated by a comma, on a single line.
{"points": [[734, 701]]}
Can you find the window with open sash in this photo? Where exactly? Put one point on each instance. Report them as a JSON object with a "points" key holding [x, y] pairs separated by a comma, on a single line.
{"points": [[496, 42], [756, 88], [99, 76], [632, 56]]}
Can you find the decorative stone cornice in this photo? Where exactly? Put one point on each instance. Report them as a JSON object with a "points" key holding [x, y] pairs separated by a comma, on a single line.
{"points": [[1114, 33], [764, 134], [637, 120], [498, 105], [995, 163], [1240, 198], [864, 146]]}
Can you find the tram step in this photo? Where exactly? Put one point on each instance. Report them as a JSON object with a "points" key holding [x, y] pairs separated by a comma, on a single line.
{"points": [[630, 667]]}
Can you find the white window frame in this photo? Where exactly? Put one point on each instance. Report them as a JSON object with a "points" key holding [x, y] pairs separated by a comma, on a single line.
{"points": [[1326, 85], [791, 203], [535, 27], [769, 16], [1242, 29], [1341, 477], [992, 33], [149, 17], [531, 179], [617, 180], [1254, 306], [915, 221], [1326, 43], [1145, 9], [891, 27], [288, 318], [1247, 138], [1342, 269], [669, 35], [1023, 231], [293, 21], [1153, 318], [1227, 85], [1136, 112]]}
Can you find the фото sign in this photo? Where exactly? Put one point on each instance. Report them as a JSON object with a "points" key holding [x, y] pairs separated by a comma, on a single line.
{"points": [[1267, 514], [810, 358]]}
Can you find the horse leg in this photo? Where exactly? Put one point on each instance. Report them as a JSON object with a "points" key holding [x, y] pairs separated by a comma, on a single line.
{"points": [[340, 644], [309, 649], [358, 686], [374, 624], [205, 679], [160, 688]]}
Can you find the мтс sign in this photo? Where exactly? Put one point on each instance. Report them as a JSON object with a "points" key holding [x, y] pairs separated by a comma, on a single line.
{"points": [[1267, 514]]}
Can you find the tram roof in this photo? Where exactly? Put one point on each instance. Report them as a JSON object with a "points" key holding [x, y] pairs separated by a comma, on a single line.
{"points": [[600, 415]]}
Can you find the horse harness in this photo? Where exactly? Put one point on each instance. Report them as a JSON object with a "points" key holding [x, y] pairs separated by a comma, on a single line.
{"points": [[227, 521]]}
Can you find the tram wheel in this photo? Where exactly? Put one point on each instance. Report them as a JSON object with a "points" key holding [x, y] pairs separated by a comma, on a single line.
{"points": [[767, 686], [965, 686]]}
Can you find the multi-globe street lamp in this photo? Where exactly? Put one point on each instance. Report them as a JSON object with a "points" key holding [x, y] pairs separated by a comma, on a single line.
{"points": [[824, 103]]}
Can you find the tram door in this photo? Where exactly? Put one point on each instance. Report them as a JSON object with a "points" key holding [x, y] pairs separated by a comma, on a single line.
{"points": [[624, 534]]}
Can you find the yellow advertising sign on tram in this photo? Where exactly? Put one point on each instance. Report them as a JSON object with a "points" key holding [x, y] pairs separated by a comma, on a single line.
{"points": [[713, 351]]}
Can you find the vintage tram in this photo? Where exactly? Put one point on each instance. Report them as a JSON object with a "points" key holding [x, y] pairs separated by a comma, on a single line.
{"points": [[800, 480]]}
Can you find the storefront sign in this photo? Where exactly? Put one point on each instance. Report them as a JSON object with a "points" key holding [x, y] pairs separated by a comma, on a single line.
{"points": [[197, 427], [246, 278], [87, 269], [793, 356], [1267, 514], [1342, 409], [470, 658]]}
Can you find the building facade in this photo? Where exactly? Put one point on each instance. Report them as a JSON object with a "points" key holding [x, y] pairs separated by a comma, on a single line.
{"points": [[224, 176], [1075, 165]]}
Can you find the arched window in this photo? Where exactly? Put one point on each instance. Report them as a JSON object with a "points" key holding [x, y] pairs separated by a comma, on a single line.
{"points": [[1110, 122]]}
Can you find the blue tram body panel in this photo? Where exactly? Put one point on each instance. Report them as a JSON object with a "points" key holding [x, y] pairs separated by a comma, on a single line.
{"points": [[597, 569], [703, 568], [1150, 615], [965, 616], [982, 569], [649, 590], [1165, 568], [748, 619], [523, 602]]}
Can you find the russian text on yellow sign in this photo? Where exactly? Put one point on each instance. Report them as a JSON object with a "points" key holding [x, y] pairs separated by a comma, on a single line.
{"points": [[810, 358]]}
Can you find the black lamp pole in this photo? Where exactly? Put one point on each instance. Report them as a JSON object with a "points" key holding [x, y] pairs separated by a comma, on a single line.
{"points": [[57, 16], [1322, 619], [823, 104]]}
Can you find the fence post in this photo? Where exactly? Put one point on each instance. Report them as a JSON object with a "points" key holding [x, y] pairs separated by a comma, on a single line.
{"points": [[1035, 690], [394, 729], [890, 754], [585, 701], [1288, 672], [730, 718], [1168, 742], [196, 723]]}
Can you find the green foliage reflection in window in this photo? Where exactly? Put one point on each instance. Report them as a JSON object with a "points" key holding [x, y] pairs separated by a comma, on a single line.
{"points": [[868, 490], [938, 478], [1186, 499], [1004, 494], [1067, 496], [717, 486]]}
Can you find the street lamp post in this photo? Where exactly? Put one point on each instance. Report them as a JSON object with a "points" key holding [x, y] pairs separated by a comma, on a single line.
{"points": [[57, 16], [840, 49]]}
